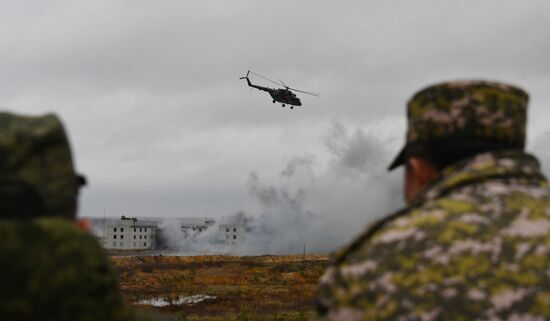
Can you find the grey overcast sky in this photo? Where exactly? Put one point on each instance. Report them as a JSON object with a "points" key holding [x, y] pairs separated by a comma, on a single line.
{"points": [[161, 125]]}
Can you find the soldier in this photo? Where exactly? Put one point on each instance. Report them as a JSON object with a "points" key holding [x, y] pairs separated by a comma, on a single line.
{"points": [[473, 242], [50, 268]]}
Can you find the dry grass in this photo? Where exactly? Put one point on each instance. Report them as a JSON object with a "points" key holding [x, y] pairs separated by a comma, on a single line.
{"points": [[246, 288]]}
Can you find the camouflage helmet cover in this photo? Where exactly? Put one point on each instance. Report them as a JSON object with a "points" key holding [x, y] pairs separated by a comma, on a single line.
{"points": [[35, 151], [461, 111]]}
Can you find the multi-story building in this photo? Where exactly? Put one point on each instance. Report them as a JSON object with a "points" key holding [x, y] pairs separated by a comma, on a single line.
{"points": [[129, 234]]}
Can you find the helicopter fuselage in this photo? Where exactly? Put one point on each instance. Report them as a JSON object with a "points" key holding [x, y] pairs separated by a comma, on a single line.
{"points": [[285, 96], [281, 95]]}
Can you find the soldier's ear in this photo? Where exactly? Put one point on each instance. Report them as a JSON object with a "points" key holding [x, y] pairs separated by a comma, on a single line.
{"points": [[423, 169], [419, 173]]}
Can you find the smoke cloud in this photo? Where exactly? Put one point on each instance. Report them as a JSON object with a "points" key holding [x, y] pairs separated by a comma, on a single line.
{"points": [[319, 204]]}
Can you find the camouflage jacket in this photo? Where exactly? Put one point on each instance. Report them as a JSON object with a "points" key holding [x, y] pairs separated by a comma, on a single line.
{"points": [[51, 270], [474, 245]]}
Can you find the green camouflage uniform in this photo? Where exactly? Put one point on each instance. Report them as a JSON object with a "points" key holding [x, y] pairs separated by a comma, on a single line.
{"points": [[474, 244], [50, 269], [53, 271]]}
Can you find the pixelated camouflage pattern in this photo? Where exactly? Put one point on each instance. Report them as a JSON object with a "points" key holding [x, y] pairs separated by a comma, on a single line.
{"points": [[474, 245], [36, 150], [468, 110], [52, 270]]}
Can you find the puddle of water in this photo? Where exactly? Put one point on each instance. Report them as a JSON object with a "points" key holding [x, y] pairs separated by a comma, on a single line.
{"points": [[189, 300]]}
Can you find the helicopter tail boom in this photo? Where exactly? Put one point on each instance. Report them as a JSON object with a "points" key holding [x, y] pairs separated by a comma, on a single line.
{"points": [[250, 84]]}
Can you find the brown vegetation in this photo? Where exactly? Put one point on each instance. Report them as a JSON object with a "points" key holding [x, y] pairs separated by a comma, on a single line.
{"points": [[246, 288]]}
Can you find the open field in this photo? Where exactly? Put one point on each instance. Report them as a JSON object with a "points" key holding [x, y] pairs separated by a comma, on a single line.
{"points": [[216, 287]]}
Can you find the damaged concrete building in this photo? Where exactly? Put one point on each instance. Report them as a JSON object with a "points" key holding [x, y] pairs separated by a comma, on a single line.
{"points": [[129, 234]]}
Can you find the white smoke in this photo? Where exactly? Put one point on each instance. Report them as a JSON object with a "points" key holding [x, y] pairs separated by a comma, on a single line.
{"points": [[326, 208], [319, 206]]}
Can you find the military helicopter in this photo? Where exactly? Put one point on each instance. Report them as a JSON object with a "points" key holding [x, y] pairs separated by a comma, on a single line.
{"points": [[283, 95]]}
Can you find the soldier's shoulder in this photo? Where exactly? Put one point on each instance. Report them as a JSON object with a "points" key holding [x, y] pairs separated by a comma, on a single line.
{"points": [[368, 233], [406, 225], [54, 245], [58, 235], [354, 260]]}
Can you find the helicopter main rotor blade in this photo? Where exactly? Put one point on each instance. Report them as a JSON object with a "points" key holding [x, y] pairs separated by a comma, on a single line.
{"points": [[305, 92], [265, 78], [284, 85]]}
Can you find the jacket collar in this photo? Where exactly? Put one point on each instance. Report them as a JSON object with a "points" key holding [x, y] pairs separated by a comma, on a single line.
{"points": [[491, 165]]}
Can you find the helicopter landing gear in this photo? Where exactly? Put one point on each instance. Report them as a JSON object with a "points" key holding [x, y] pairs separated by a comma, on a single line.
{"points": [[291, 107], [273, 100], [283, 105]]}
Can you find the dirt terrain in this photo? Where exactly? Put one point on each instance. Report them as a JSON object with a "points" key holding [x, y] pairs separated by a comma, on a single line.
{"points": [[216, 287]]}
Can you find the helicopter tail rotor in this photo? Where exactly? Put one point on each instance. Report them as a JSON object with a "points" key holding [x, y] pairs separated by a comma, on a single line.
{"points": [[246, 77]]}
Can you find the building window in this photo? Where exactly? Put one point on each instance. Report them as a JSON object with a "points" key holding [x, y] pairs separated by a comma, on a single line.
{"points": [[234, 230], [144, 236], [144, 243], [134, 229], [140, 237], [114, 229], [122, 229], [134, 237], [114, 237], [234, 237], [140, 229], [145, 229], [134, 244], [121, 236], [121, 244], [114, 244], [227, 237], [227, 229]]}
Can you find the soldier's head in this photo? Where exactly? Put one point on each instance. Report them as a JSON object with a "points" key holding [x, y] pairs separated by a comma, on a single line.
{"points": [[451, 121], [37, 176]]}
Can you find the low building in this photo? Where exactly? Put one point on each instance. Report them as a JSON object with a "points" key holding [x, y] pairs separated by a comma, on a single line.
{"points": [[233, 229], [231, 233], [129, 234]]}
